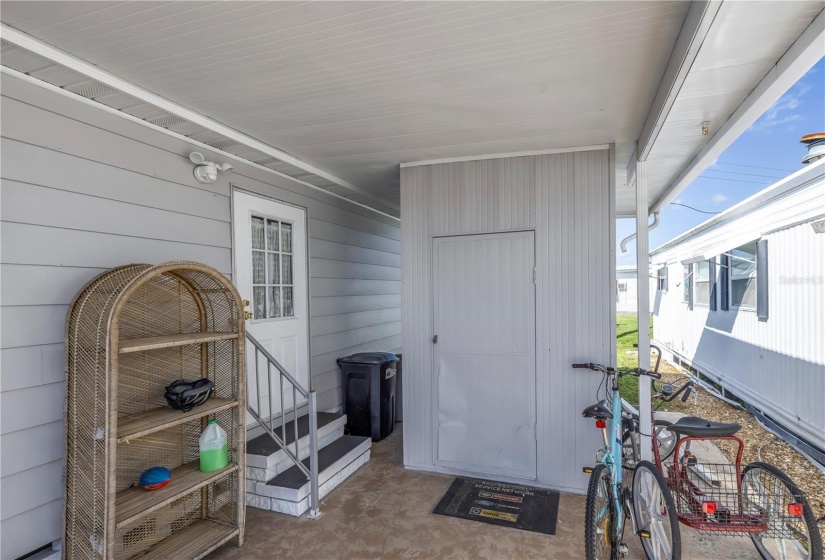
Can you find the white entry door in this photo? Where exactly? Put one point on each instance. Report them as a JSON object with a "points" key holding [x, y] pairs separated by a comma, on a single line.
{"points": [[270, 253], [484, 353]]}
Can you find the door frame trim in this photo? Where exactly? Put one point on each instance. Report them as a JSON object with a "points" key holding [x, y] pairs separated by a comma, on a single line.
{"points": [[433, 378], [236, 189]]}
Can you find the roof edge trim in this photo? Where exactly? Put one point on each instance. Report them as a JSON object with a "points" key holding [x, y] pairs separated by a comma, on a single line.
{"points": [[595, 147]]}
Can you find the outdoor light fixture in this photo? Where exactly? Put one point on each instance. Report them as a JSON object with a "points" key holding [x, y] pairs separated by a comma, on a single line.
{"points": [[206, 171]]}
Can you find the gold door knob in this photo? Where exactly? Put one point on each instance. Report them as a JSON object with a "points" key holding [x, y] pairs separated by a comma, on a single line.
{"points": [[247, 315], [246, 303]]}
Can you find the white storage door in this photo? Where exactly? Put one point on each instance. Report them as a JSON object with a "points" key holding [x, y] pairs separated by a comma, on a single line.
{"points": [[484, 354]]}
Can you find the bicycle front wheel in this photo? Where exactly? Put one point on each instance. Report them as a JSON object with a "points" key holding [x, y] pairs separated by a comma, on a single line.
{"points": [[599, 516], [655, 514], [792, 534]]}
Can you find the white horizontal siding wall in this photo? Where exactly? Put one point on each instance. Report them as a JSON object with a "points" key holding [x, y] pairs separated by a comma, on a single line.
{"points": [[77, 199], [779, 364], [568, 200]]}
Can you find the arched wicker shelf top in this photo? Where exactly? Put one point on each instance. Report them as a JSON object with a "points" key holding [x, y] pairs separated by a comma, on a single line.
{"points": [[165, 303]]}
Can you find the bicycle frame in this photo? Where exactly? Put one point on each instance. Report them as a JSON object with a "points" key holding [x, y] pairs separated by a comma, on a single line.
{"points": [[611, 456]]}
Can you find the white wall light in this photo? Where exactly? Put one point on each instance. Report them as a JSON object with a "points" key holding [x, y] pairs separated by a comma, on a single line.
{"points": [[207, 171]]}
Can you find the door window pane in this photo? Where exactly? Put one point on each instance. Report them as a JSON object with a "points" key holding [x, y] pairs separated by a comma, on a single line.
{"points": [[258, 274], [259, 295], [257, 233], [274, 302], [271, 234], [286, 261], [286, 238], [272, 288], [273, 268], [289, 311]]}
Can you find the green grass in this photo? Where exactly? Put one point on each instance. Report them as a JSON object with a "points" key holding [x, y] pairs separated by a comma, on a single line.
{"points": [[627, 334]]}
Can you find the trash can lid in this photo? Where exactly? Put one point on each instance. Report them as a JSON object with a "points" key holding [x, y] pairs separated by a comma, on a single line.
{"points": [[379, 358]]}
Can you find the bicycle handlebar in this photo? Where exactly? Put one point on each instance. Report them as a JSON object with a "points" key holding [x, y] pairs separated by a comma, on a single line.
{"points": [[605, 369]]}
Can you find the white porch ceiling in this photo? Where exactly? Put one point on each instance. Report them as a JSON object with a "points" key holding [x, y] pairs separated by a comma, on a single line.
{"points": [[356, 88]]}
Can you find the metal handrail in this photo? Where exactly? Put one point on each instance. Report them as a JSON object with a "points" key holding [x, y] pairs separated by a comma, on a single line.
{"points": [[310, 472]]}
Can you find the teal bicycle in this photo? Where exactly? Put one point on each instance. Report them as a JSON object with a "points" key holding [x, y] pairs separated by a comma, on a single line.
{"points": [[610, 500]]}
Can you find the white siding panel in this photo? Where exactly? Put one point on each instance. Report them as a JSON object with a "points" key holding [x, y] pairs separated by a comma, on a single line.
{"points": [[78, 199], [35, 205], [350, 253], [778, 364], [42, 285], [344, 322], [319, 229], [29, 366], [352, 304], [335, 287], [33, 526], [23, 162], [324, 268], [45, 483], [32, 447], [32, 406], [42, 245], [566, 199]]}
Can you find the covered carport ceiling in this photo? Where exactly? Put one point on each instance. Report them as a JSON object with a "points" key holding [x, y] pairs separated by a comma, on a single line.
{"points": [[356, 88]]}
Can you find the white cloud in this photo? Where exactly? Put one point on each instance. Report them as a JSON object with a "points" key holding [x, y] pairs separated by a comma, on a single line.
{"points": [[719, 197], [784, 111]]}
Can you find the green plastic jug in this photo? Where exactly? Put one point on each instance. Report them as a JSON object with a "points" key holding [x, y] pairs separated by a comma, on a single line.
{"points": [[213, 448]]}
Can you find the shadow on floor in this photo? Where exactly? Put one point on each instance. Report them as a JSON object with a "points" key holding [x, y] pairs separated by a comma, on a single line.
{"points": [[384, 512]]}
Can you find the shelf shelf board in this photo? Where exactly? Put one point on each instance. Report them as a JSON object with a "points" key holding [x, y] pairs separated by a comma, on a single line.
{"points": [[145, 423], [154, 342], [195, 541], [134, 503]]}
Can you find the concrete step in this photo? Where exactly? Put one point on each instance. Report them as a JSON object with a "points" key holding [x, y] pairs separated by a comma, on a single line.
{"points": [[265, 459], [288, 492]]}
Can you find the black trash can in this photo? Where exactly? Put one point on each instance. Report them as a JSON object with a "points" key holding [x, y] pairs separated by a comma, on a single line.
{"points": [[369, 393]]}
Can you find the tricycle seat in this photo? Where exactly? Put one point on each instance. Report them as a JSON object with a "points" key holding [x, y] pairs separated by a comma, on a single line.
{"points": [[692, 426]]}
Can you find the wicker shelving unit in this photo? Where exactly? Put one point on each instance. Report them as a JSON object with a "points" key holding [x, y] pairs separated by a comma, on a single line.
{"points": [[129, 333]]}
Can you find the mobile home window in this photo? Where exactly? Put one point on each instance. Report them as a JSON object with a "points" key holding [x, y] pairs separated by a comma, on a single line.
{"points": [[701, 293], [621, 289], [686, 285], [661, 279], [272, 287], [742, 276]]}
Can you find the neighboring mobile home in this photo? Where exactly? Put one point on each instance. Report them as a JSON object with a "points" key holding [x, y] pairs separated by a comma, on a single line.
{"points": [[741, 299], [523, 129], [626, 296]]}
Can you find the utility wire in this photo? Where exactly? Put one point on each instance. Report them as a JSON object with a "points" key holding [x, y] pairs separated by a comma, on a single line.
{"points": [[755, 166], [692, 208], [741, 173], [733, 180]]}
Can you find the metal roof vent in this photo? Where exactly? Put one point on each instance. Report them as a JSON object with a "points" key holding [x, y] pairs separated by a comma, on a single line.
{"points": [[166, 121], [816, 146], [91, 89]]}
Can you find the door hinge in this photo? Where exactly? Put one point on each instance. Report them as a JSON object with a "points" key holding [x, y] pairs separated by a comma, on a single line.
{"points": [[435, 339]]}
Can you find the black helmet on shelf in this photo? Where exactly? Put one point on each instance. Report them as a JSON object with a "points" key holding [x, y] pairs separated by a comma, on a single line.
{"points": [[185, 395]]}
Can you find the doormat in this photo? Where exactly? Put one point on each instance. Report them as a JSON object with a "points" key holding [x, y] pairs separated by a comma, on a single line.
{"points": [[508, 505]]}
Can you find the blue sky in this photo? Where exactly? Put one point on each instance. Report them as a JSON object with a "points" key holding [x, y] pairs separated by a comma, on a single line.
{"points": [[766, 152]]}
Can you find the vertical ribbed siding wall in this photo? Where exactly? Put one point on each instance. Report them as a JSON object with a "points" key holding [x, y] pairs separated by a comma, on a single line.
{"points": [[777, 365], [567, 198]]}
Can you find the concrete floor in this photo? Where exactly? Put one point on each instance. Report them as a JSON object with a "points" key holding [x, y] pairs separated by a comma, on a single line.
{"points": [[385, 512]]}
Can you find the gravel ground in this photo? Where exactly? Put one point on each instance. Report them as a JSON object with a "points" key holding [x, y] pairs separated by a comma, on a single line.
{"points": [[774, 451]]}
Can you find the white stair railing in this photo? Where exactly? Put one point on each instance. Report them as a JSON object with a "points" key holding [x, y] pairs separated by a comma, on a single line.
{"points": [[270, 426]]}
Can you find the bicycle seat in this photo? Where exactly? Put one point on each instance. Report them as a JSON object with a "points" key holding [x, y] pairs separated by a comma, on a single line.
{"points": [[691, 426], [599, 410]]}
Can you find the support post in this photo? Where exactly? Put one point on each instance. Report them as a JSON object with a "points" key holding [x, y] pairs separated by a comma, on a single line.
{"points": [[314, 498], [643, 308]]}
